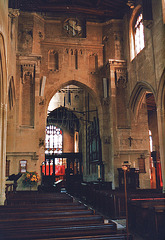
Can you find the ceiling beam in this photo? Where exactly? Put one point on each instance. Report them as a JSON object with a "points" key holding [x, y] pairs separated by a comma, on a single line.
{"points": [[74, 9]]}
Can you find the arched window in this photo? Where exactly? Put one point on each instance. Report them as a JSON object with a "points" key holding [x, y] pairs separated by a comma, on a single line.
{"points": [[139, 33], [136, 32], [53, 140]]}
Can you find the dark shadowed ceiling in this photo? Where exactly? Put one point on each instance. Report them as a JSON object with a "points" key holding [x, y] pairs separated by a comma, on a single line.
{"points": [[99, 9]]}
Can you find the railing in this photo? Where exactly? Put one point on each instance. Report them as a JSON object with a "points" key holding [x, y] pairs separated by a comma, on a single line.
{"points": [[9, 189]]}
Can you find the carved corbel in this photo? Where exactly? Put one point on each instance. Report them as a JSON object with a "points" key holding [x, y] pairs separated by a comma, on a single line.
{"points": [[41, 142], [13, 13], [121, 78]]}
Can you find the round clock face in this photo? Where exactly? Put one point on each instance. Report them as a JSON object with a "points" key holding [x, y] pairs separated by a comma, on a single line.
{"points": [[73, 27]]}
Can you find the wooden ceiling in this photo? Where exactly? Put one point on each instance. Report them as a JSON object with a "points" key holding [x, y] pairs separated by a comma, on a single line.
{"points": [[98, 9]]}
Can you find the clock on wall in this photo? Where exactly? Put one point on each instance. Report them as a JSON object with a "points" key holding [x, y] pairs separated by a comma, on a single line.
{"points": [[73, 27]]}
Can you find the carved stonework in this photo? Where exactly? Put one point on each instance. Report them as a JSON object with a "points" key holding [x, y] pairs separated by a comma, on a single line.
{"points": [[121, 78], [26, 39], [13, 13], [107, 139], [53, 61], [27, 73], [41, 142], [118, 45]]}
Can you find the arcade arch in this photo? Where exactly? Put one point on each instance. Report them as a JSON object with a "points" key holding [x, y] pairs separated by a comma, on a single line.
{"points": [[144, 108]]}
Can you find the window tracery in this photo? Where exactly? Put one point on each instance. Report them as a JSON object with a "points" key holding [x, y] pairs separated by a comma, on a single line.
{"points": [[53, 140]]}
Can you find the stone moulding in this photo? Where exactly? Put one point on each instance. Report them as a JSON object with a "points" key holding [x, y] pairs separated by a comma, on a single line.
{"points": [[33, 155]]}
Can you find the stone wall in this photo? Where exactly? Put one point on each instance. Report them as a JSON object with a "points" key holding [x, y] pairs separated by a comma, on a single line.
{"points": [[44, 51]]}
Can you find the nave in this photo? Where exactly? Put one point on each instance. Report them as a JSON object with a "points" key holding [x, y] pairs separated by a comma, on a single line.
{"points": [[59, 215], [35, 215]]}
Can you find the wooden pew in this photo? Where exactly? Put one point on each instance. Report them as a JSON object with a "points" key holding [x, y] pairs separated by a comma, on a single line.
{"points": [[16, 200], [117, 236], [157, 222], [40, 208], [112, 202], [44, 221], [58, 231], [64, 219], [45, 214], [147, 218]]}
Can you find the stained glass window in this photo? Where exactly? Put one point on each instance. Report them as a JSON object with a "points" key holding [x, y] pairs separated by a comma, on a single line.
{"points": [[53, 140]]}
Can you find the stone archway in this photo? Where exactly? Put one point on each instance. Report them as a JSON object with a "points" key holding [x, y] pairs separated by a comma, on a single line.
{"points": [[93, 108], [143, 105], [136, 96]]}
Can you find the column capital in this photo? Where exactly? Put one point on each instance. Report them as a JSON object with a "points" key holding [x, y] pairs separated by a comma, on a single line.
{"points": [[13, 13]]}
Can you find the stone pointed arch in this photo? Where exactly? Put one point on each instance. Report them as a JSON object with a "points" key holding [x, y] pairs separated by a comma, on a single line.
{"points": [[137, 96], [77, 83]]}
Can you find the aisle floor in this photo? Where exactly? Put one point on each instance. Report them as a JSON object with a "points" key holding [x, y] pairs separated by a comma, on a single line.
{"points": [[121, 225]]}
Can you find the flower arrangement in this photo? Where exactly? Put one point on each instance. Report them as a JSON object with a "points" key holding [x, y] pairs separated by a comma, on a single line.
{"points": [[30, 179]]}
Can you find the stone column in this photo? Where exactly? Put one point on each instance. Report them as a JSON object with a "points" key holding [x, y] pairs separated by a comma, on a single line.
{"points": [[3, 129], [161, 131], [117, 70]]}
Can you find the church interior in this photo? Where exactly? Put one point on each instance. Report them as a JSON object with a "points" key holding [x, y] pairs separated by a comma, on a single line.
{"points": [[82, 119]]}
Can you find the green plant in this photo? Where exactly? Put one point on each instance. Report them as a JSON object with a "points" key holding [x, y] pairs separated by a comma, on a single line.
{"points": [[30, 179]]}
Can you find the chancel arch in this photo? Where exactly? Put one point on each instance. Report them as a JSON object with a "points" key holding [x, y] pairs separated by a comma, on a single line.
{"points": [[76, 99]]}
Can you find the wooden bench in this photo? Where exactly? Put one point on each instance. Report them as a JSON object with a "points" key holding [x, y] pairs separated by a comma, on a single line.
{"points": [[112, 202], [147, 218], [117, 236], [37, 199], [36, 208], [45, 214], [16, 202], [57, 231], [49, 220]]}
